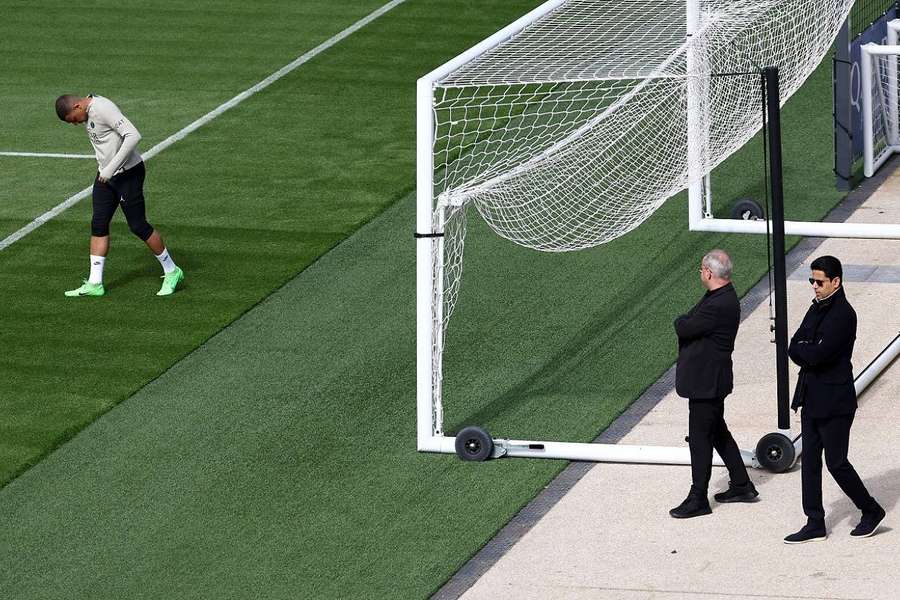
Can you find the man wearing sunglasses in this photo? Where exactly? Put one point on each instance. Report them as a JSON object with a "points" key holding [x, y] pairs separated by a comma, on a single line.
{"points": [[704, 375], [823, 347]]}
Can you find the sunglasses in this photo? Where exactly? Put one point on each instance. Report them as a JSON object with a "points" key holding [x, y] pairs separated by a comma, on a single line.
{"points": [[818, 282]]}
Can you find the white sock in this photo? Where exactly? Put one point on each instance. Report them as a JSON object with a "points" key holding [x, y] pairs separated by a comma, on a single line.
{"points": [[96, 269], [166, 261]]}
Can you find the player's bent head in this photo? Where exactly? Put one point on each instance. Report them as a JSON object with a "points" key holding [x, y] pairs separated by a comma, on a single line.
{"points": [[68, 109], [829, 265]]}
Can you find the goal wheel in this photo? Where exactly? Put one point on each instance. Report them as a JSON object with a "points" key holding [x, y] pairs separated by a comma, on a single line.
{"points": [[747, 209], [474, 444], [775, 452]]}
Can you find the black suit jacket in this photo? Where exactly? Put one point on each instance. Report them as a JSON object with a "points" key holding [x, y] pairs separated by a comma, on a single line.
{"points": [[823, 347], [705, 342]]}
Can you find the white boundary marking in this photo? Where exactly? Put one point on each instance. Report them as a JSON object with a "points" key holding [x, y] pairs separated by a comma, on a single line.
{"points": [[46, 155], [73, 200]]}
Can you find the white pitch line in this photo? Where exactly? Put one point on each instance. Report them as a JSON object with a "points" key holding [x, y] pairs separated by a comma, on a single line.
{"points": [[73, 200], [46, 155]]}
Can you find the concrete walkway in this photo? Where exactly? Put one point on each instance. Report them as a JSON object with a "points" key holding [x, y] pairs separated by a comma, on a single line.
{"points": [[610, 536]]}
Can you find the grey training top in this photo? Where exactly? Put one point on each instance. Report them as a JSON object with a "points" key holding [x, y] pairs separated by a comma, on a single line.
{"points": [[113, 136]]}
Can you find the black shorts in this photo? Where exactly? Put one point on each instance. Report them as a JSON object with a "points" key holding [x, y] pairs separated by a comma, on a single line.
{"points": [[127, 189]]}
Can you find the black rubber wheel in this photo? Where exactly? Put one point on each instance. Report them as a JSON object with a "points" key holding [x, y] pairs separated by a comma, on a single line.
{"points": [[474, 444], [747, 209], [775, 452]]}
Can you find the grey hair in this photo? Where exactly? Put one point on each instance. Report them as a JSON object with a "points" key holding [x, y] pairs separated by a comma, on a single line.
{"points": [[719, 263]]}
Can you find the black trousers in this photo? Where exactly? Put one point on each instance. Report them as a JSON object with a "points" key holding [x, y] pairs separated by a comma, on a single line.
{"points": [[833, 436], [127, 189], [707, 430]]}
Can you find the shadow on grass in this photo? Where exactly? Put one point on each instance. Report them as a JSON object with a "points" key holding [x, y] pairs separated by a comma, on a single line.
{"points": [[608, 327]]}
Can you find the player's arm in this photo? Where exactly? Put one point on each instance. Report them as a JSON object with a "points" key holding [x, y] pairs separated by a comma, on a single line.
{"points": [[130, 138]]}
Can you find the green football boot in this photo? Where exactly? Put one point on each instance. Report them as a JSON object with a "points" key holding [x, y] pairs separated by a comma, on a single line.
{"points": [[170, 282], [87, 289]]}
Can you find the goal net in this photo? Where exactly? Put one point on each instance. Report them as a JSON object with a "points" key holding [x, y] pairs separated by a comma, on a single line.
{"points": [[573, 125]]}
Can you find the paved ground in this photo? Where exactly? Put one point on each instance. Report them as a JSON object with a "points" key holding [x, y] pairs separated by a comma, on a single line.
{"points": [[610, 536]]}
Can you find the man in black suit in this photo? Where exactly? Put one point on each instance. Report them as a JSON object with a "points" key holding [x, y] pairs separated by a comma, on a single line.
{"points": [[823, 347], [704, 375]]}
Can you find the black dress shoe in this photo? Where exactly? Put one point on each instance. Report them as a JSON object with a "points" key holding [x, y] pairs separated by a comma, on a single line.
{"points": [[811, 532], [738, 493], [869, 524], [694, 505]]}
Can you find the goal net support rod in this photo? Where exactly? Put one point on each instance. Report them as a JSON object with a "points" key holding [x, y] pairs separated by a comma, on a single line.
{"points": [[773, 112]]}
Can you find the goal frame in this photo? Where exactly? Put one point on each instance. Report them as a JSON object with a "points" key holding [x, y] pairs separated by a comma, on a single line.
{"points": [[700, 216], [869, 53], [429, 275]]}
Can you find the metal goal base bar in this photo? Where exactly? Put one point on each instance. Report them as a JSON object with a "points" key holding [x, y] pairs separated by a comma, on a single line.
{"points": [[614, 453], [776, 451]]}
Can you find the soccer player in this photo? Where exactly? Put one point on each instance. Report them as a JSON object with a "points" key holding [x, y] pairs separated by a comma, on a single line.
{"points": [[119, 180]]}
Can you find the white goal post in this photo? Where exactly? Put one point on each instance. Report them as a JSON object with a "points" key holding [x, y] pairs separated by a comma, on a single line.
{"points": [[879, 100], [572, 125], [881, 138]]}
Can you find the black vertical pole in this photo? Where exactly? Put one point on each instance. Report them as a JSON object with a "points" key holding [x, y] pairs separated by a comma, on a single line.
{"points": [[843, 110], [773, 114]]}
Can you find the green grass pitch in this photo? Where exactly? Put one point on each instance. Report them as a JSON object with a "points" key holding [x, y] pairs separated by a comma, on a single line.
{"points": [[273, 456]]}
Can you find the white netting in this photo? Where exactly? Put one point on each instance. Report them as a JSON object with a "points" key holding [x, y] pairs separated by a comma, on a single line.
{"points": [[885, 126], [575, 130]]}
